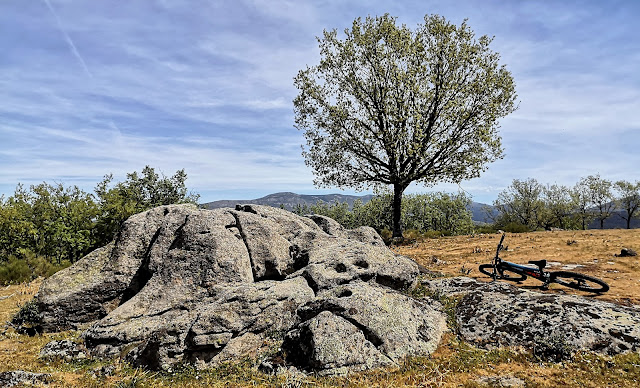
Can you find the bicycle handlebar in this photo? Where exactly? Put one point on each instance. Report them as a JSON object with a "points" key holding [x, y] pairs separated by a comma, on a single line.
{"points": [[500, 244]]}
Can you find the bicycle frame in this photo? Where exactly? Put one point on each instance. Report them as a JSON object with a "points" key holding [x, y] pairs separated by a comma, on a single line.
{"points": [[518, 273], [499, 266]]}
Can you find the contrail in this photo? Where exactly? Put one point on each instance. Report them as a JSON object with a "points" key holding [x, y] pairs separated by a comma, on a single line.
{"points": [[74, 50]]}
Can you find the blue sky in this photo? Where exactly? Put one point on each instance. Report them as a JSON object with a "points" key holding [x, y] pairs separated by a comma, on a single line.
{"points": [[94, 87]]}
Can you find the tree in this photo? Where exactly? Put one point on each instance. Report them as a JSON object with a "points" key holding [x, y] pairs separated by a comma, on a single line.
{"points": [[581, 198], [628, 199], [442, 212], [136, 194], [558, 207], [521, 203], [601, 197], [388, 106]]}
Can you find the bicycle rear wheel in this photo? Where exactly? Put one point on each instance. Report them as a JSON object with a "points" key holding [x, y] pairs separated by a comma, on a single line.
{"points": [[579, 281], [487, 269]]}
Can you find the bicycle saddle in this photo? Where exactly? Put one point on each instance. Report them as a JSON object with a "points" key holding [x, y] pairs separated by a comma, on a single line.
{"points": [[539, 263]]}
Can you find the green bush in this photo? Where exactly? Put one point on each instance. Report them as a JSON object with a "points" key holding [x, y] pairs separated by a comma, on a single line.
{"points": [[553, 348], [516, 227], [387, 236], [412, 234], [15, 271], [486, 229], [27, 266], [27, 320]]}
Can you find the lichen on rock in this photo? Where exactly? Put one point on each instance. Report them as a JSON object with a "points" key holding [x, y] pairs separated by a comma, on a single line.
{"points": [[186, 285]]}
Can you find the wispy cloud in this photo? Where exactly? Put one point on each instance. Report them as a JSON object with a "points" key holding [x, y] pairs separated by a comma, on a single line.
{"points": [[72, 46], [207, 86]]}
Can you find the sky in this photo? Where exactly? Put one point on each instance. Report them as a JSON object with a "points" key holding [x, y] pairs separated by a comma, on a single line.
{"points": [[92, 87]]}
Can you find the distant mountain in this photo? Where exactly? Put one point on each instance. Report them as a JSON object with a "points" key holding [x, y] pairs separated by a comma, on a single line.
{"points": [[478, 210], [482, 213], [290, 200], [615, 222]]}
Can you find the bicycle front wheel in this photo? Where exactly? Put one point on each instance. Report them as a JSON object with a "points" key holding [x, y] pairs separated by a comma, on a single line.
{"points": [[579, 281], [487, 269]]}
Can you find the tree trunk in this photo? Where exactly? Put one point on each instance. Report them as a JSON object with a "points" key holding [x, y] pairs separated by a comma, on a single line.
{"points": [[602, 223], [397, 210]]}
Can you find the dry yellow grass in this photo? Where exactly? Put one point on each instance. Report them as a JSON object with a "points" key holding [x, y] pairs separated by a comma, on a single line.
{"points": [[590, 252], [454, 364]]}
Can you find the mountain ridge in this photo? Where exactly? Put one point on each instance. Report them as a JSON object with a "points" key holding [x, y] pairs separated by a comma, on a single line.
{"points": [[290, 200]]}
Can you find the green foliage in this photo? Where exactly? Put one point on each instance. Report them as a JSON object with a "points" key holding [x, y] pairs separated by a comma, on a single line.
{"points": [[15, 271], [47, 227], [521, 203], [27, 316], [136, 194], [423, 214], [553, 348], [388, 106], [628, 199], [601, 197], [515, 227]]}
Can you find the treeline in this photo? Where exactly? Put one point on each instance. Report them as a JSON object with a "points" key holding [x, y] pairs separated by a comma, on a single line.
{"points": [[422, 214], [49, 226], [528, 205]]}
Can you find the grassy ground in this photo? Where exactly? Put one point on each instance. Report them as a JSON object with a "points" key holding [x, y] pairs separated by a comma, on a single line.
{"points": [[454, 364]]}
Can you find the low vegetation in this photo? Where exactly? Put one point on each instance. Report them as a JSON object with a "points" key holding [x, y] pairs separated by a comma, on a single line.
{"points": [[47, 227], [454, 364]]}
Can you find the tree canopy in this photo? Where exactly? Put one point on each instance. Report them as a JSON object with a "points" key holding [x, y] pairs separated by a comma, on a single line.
{"points": [[49, 225], [388, 106]]}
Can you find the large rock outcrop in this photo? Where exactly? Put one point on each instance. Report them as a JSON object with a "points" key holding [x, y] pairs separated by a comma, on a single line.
{"points": [[181, 284], [499, 314]]}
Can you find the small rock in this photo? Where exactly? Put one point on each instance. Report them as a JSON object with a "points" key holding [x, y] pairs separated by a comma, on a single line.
{"points": [[19, 377], [104, 371], [627, 252], [63, 350], [501, 381]]}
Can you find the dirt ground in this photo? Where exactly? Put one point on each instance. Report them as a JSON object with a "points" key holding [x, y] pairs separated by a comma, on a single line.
{"points": [[591, 252]]}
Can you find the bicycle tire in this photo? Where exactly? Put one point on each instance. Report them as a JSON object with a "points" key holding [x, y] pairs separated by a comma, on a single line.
{"points": [[501, 274], [582, 282]]}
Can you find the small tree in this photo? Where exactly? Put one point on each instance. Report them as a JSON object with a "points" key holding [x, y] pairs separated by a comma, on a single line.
{"points": [[582, 202], [558, 207], [601, 197], [388, 106], [628, 199], [521, 203]]}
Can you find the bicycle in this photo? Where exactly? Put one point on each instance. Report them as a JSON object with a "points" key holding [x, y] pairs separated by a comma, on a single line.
{"points": [[574, 280]]}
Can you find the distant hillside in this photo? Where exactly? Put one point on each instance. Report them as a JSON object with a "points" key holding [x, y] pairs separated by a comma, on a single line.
{"points": [[479, 212], [615, 222], [290, 200]]}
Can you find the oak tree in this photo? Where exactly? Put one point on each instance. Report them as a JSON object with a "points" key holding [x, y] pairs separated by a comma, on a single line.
{"points": [[389, 106]]}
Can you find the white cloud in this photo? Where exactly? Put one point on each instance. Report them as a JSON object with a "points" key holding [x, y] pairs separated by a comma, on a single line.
{"points": [[207, 86]]}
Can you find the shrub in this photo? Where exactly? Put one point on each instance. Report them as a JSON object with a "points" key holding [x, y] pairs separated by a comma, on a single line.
{"points": [[15, 271], [27, 319], [515, 227], [387, 236], [412, 234], [553, 348], [28, 266], [486, 229]]}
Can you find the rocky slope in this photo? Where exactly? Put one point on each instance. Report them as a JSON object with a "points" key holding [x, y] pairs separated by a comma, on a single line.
{"points": [[181, 284]]}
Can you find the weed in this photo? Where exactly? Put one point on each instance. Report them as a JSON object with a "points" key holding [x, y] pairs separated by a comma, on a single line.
{"points": [[27, 319], [553, 348], [449, 303]]}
